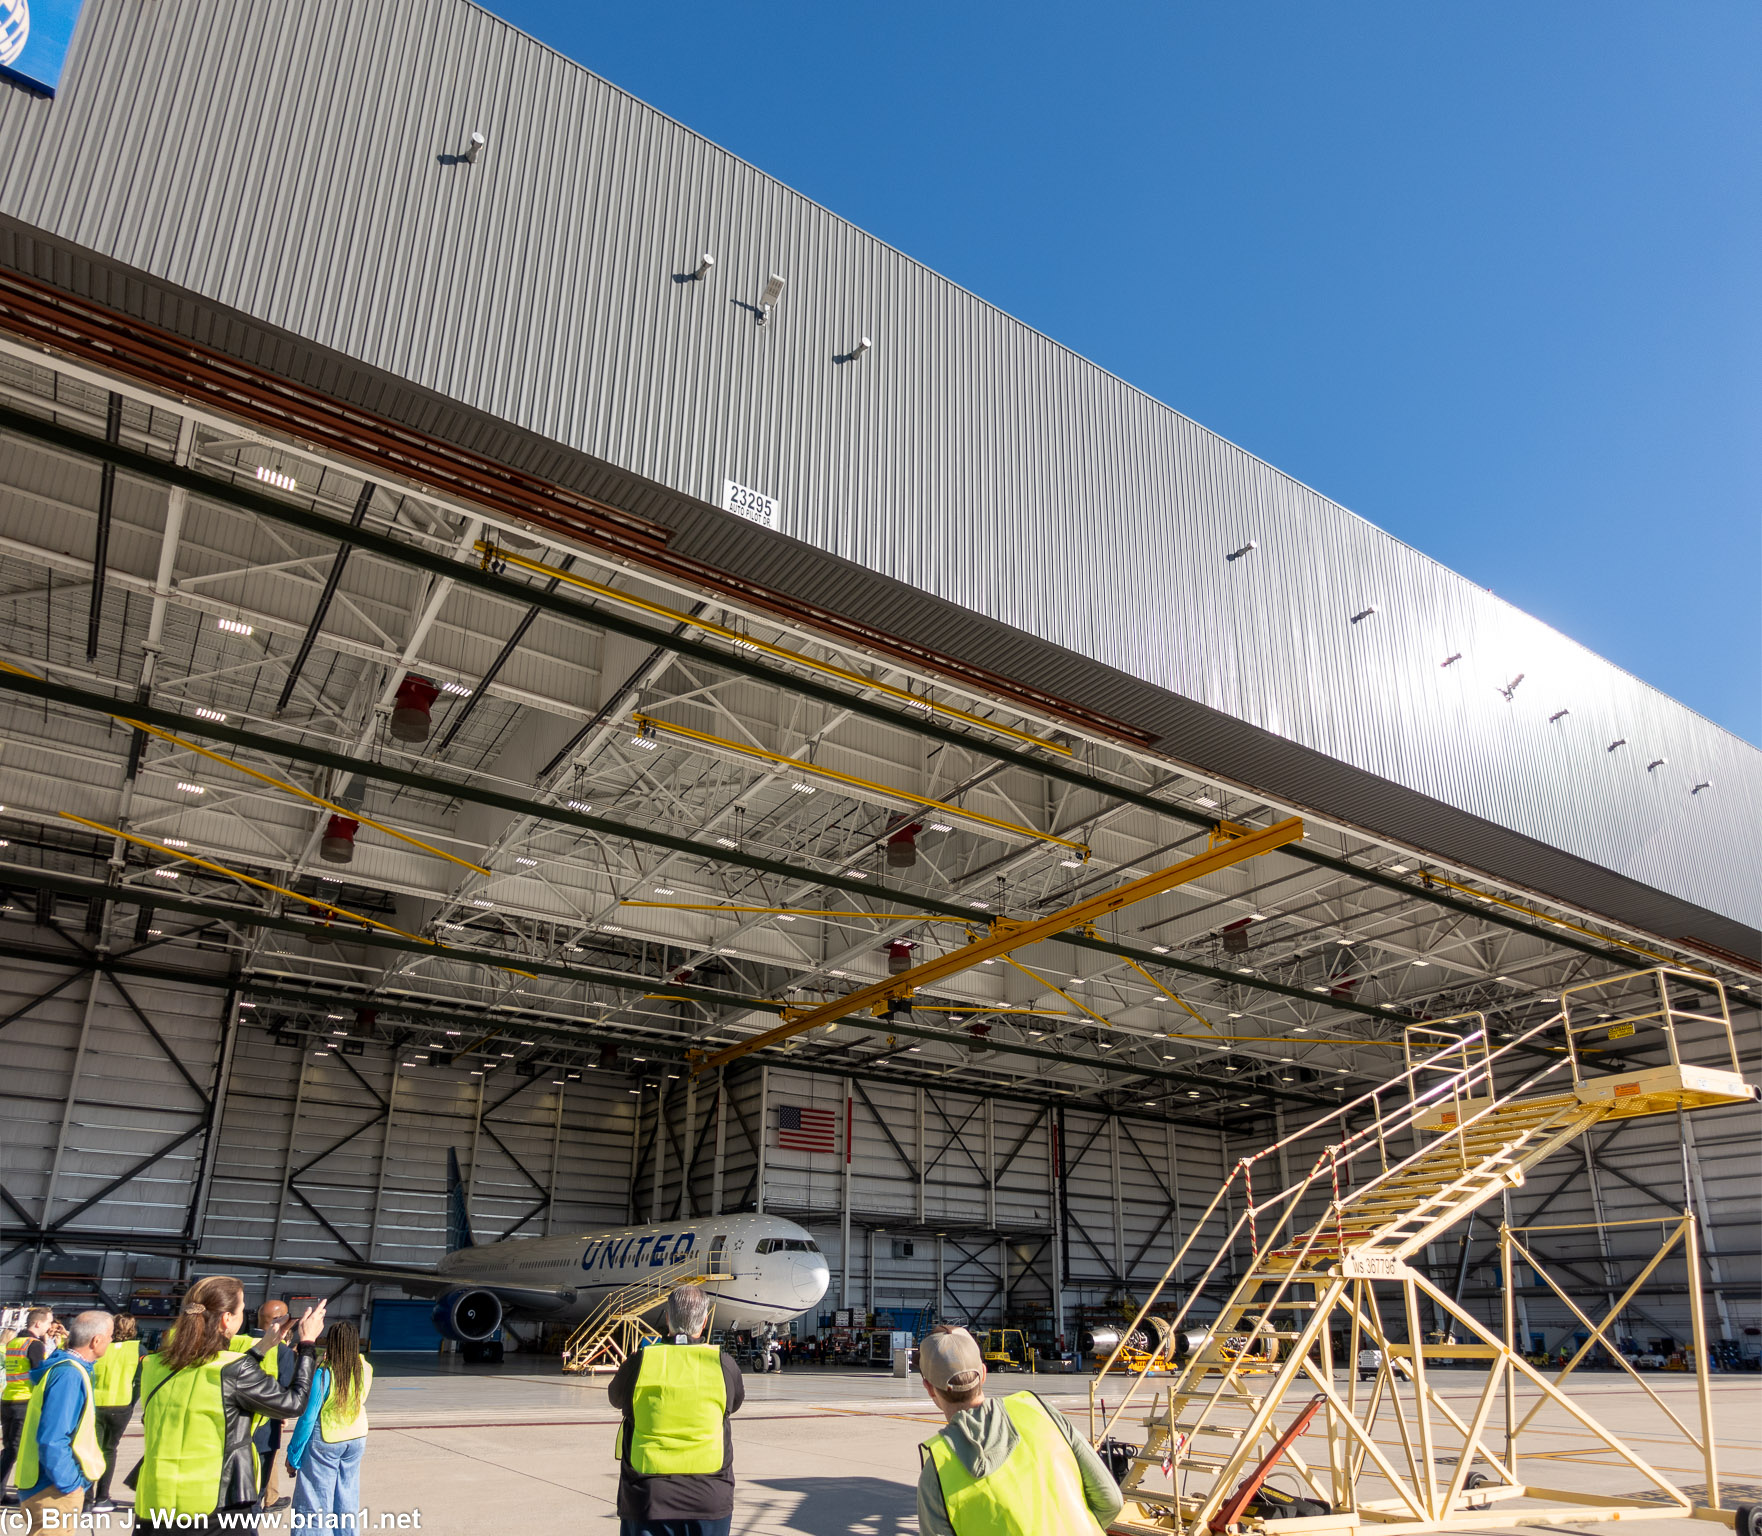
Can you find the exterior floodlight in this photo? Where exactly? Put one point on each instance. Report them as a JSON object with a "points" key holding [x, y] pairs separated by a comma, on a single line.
{"points": [[1656, 763], [1248, 548], [1704, 784], [1558, 716], [768, 299], [1363, 614], [860, 348], [705, 262], [476, 147]]}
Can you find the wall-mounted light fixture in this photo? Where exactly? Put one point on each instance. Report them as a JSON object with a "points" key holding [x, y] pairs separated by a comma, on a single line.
{"points": [[1657, 762], [862, 346], [1363, 614], [768, 299], [475, 148], [704, 263], [1450, 661], [1704, 784], [1558, 716], [1620, 741], [1510, 689], [1246, 549]]}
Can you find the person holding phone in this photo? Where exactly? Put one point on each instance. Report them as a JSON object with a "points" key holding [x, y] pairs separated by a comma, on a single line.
{"points": [[198, 1400]]}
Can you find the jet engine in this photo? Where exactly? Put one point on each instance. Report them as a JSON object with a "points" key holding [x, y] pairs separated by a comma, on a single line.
{"points": [[468, 1317]]}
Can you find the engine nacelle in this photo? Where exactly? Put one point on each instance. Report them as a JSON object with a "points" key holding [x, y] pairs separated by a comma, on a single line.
{"points": [[468, 1317]]}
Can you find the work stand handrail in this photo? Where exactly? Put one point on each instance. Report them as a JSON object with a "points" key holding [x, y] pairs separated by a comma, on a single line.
{"points": [[1457, 1085]]}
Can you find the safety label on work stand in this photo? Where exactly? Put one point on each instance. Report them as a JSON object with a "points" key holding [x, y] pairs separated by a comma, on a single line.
{"points": [[745, 502]]}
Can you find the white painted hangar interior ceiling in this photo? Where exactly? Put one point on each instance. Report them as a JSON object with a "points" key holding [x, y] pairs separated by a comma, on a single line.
{"points": [[317, 514]]}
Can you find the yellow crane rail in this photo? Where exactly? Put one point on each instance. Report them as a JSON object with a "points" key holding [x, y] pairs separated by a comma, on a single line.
{"points": [[796, 765], [748, 643], [1232, 845]]}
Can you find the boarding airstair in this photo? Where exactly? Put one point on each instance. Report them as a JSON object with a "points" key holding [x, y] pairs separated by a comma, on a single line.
{"points": [[1328, 1262], [618, 1326]]}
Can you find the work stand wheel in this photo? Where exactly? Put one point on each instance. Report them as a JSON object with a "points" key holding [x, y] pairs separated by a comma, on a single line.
{"points": [[1747, 1520]]}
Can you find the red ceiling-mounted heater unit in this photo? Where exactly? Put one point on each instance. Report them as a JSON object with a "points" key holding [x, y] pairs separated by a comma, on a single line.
{"points": [[411, 720], [899, 955], [337, 846], [902, 846]]}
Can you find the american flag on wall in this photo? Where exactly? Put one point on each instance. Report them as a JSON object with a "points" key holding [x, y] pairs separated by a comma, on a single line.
{"points": [[800, 1129]]}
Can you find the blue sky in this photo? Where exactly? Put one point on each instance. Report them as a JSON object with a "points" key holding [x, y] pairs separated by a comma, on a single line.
{"points": [[1486, 274]]}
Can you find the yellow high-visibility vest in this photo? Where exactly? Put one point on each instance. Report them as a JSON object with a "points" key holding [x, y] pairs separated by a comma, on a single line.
{"points": [[1038, 1491], [340, 1421], [86, 1450], [113, 1374], [677, 1410], [18, 1370]]}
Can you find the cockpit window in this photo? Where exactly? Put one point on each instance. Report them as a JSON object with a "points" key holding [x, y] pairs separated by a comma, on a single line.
{"points": [[786, 1245]]}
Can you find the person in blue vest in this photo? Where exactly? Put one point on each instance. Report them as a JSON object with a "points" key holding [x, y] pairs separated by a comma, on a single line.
{"points": [[325, 1449], [675, 1449], [1009, 1468], [59, 1456]]}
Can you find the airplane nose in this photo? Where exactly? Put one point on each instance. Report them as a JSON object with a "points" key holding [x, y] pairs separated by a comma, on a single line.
{"points": [[810, 1281]]}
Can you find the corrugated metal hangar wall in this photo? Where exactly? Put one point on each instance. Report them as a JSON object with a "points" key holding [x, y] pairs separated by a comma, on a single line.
{"points": [[975, 1207], [300, 163]]}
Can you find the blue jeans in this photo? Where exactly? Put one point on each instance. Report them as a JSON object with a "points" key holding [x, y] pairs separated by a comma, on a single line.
{"points": [[677, 1527], [329, 1484]]}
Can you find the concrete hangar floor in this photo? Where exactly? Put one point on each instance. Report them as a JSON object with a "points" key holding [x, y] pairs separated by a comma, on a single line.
{"points": [[521, 1446]]}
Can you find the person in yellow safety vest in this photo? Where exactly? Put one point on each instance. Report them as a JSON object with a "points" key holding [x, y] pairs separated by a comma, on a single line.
{"points": [[1009, 1468], [675, 1449], [59, 1456], [198, 1403], [326, 1446], [25, 1351], [116, 1382]]}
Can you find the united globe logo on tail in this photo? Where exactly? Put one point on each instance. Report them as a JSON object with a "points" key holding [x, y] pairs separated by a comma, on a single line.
{"points": [[34, 39], [15, 29]]}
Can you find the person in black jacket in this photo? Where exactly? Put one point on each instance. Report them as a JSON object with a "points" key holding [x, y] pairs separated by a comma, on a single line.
{"points": [[198, 1399], [675, 1447]]}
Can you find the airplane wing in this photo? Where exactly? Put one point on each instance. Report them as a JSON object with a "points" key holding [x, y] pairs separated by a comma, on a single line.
{"points": [[418, 1282]]}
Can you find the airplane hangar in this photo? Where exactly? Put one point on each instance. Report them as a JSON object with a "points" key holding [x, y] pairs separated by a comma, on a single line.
{"points": [[520, 630]]}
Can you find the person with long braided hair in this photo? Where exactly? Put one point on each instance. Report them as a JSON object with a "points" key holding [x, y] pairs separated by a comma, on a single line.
{"points": [[331, 1436], [198, 1399]]}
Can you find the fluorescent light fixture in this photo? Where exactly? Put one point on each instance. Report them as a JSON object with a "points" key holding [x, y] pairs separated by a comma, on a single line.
{"points": [[981, 905], [785, 917], [647, 743], [1071, 863], [1398, 869], [610, 928], [580, 805], [1159, 949], [205, 713], [857, 874], [482, 901], [804, 789], [459, 690], [234, 626], [939, 826], [191, 789], [276, 478], [167, 874], [1423, 964], [665, 890], [1206, 801], [526, 862], [726, 842], [177, 842]]}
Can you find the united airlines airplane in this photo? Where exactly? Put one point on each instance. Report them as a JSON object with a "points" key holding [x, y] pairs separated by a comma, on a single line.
{"points": [[763, 1269]]}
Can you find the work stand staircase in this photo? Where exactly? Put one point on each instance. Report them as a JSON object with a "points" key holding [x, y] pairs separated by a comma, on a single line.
{"points": [[618, 1326], [1329, 1263]]}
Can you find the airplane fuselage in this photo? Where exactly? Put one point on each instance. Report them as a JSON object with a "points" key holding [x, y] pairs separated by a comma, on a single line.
{"points": [[775, 1271]]}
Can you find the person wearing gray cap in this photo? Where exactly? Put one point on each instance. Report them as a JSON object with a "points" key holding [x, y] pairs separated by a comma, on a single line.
{"points": [[1009, 1468]]}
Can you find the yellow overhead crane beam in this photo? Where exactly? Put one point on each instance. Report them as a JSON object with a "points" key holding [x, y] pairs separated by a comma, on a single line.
{"points": [[1231, 845], [795, 764], [746, 642], [869, 917], [281, 784]]}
